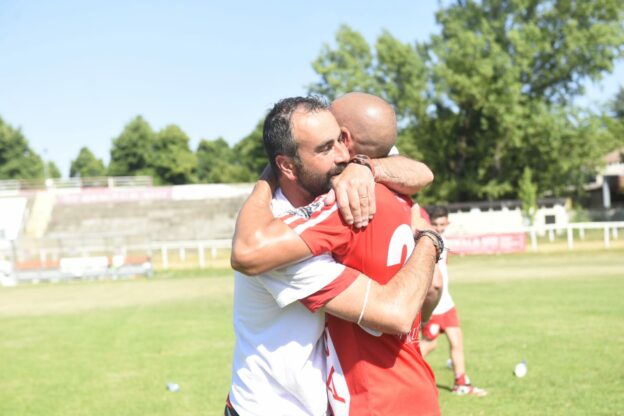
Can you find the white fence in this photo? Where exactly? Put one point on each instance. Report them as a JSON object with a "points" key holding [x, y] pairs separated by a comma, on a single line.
{"points": [[165, 255], [609, 232], [95, 182]]}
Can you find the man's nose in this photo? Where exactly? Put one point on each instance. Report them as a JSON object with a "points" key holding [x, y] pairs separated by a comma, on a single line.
{"points": [[342, 154]]}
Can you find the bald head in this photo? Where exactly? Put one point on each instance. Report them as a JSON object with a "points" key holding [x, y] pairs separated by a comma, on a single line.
{"points": [[370, 120]]}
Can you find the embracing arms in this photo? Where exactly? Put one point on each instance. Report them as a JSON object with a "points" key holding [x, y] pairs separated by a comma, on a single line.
{"points": [[262, 242]]}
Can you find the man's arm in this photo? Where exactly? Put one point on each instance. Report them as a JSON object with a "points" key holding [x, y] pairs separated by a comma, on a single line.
{"points": [[390, 308], [262, 242], [403, 175]]}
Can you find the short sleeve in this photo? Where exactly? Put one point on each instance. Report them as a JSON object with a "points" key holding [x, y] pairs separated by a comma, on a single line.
{"points": [[298, 281], [321, 227]]}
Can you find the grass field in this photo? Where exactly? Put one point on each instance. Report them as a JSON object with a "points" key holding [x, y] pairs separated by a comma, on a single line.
{"points": [[110, 347]]}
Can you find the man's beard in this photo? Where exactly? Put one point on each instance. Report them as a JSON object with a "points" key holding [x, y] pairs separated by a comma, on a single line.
{"points": [[317, 183]]}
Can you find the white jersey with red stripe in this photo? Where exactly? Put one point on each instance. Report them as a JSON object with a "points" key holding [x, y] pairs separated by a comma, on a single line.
{"points": [[279, 362], [370, 373], [446, 301]]}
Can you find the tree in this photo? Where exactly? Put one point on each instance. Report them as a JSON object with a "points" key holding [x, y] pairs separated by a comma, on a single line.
{"points": [[172, 160], [52, 170], [219, 163], [615, 124], [86, 165], [250, 153], [17, 159], [617, 105], [492, 93], [527, 192], [132, 150], [347, 68]]}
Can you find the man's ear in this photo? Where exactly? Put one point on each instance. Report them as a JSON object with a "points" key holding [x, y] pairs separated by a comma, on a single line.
{"points": [[347, 138], [286, 165]]}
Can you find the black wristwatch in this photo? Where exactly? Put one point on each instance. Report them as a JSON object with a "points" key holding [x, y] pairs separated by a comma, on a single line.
{"points": [[364, 161], [438, 243]]}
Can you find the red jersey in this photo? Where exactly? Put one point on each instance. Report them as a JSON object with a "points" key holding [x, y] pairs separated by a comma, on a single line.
{"points": [[424, 214], [370, 373]]}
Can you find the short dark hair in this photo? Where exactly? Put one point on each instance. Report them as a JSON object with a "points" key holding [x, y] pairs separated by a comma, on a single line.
{"points": [[438, 211], [277, 134]]}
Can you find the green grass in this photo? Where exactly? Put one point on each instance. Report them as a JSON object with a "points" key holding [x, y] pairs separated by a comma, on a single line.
{"points": [[109, 348], [562, 312]]}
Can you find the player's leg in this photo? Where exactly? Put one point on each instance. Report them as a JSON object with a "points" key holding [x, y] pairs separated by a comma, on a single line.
{"points": [[427, 345], [462, 382], [430, 333], [456, 347]]}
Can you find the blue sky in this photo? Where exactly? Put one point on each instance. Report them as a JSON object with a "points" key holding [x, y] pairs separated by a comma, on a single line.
{"points": [[73, 73]]}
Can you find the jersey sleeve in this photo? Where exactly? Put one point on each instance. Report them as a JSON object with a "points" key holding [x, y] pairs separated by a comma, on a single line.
{"points": [[318, 299], [321, 227], [298, 281]]}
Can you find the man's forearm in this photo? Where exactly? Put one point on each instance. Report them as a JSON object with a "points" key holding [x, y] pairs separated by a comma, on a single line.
{"points": [[389, 308], [406, 291], [401, 174]]}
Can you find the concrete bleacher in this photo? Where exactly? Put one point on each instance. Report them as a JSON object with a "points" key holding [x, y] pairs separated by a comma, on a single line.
{"points": [[180, 213], [155, 220]]}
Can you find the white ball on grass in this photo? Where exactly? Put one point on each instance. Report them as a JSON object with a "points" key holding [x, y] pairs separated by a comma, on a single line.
{"points": [[521, 369]]}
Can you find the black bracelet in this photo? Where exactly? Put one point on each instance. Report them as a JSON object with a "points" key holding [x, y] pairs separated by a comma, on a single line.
{"points": [[438, 243], [364, 161]]}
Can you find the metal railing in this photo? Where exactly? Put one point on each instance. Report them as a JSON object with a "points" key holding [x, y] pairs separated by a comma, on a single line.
{"points": [[609, 232], [62, 183], [41, 263]]}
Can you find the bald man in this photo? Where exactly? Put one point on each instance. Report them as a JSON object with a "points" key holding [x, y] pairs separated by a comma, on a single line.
{"points": [[369, 127], [369, 123], [368, 371]]}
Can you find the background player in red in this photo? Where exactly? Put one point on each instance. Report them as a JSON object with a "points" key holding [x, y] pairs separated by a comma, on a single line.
{"points": [[421, 221], [444, 319]]}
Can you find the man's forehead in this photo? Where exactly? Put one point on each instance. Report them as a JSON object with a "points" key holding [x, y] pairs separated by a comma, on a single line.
{"points": [[318, 124]]}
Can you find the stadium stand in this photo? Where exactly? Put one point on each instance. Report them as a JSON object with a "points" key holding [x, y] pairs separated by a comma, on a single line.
{"points": [[82, 231]]}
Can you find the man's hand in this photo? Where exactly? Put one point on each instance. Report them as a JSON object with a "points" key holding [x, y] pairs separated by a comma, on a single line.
{"points": [[418, 222], [268, 176], [354, 191]]}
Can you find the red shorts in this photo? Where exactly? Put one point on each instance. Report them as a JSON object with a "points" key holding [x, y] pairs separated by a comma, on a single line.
{"points": [[438, 323]]}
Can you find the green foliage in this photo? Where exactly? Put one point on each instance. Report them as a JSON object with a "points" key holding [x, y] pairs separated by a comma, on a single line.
{"points": [[17, 159], [172, 160], [219, 163], [86, 165], [617, 105], [165, 155], [527, 192], [492, 93], [347, 68], [52, 170], [216, 163], [131, 154], [250, 152]]}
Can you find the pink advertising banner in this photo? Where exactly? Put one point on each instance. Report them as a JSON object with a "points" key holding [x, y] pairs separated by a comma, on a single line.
{"points": [[487, 243]]}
